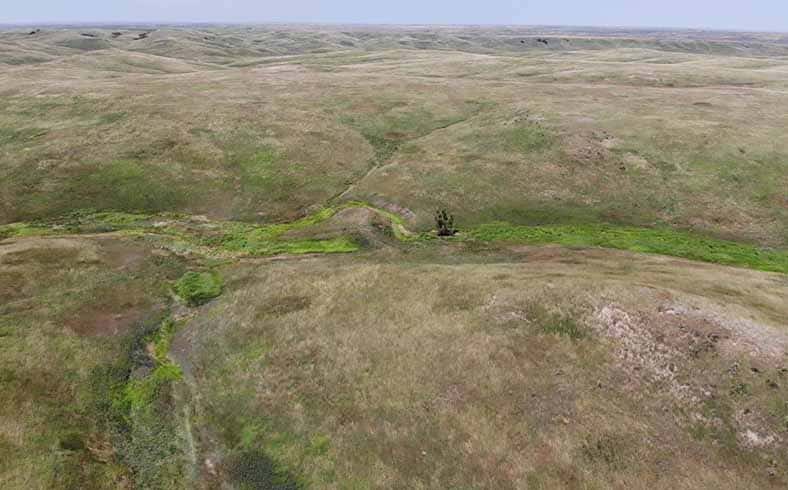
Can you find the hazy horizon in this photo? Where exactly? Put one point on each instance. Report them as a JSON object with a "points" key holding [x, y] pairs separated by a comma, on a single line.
{"points": [[153, 23], [758, 15]]}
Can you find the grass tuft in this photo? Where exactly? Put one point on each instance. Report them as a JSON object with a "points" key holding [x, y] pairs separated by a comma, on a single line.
{"points": [[527, 139], [555, 323]]}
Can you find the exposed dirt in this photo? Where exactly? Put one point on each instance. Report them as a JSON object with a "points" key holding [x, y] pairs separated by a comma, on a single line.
{"points": [[47, 251], [703, 354], [122, 254], [29, 264], [98, 322]]}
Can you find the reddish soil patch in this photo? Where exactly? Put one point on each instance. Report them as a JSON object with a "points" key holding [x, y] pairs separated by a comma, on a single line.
{"points": [[122, 255], [112, 311], [97, 322]]}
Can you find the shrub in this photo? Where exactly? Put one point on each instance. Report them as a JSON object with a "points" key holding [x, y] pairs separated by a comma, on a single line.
{"points": [[445, 223], [197, 288]]}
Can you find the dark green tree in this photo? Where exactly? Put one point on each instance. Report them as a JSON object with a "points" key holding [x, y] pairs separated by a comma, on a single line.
{"points": [[445, 223]]}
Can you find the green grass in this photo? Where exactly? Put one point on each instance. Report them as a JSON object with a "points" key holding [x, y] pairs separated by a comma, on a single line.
{"points": [[262, 169], [67, 411], [112, 117], [24, 230], [197, 288], [389, 129], [129, 186], [258, 244], [265, 240], [527, 139], [645, 240], [11, 135], [554, 323], [142, 412], [140, 393], [162, 340]]}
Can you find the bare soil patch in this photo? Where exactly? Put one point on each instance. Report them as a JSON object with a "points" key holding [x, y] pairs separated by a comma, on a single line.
{"points": [[101, 322]]}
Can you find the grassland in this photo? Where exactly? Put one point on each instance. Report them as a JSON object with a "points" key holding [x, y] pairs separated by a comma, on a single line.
{"points": [[218, 267], [626, 135]]}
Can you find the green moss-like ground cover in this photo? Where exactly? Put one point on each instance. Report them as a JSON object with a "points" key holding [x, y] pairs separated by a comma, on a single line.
{"points": [[197, 288], [265, 240], [645, 240]]}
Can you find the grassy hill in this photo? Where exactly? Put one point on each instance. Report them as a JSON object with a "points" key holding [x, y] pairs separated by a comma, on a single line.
{"points": [[218, 267], [633, 135]]}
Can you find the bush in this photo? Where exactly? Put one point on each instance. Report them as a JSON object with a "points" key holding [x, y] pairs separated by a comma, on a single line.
{"points": [[445, 223], [197, 288]]}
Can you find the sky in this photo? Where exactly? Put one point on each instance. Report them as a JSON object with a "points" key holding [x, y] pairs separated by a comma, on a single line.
{"points": [[768, 15]]}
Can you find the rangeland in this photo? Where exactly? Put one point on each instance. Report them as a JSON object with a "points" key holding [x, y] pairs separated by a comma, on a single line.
{"points": [[217, 264]]}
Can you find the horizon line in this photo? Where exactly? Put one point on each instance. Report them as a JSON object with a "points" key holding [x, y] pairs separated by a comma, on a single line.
{"points": [[372, 24]]}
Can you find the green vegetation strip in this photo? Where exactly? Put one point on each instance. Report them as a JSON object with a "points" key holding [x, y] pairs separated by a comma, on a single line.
{"points": [[133, 400], [265, 240], [139, 394], [646, 240]]}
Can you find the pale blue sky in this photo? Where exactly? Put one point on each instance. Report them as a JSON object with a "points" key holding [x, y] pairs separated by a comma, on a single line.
{"points": [[722, 14]]}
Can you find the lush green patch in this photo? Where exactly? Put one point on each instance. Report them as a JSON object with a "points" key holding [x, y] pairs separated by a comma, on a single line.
{"points": [[266, 240], [646, 240], [197, 288], [262, 240], [140, 393], [23, 230], [297, 247], [142, 412], [162, 340], [82, 221], [132, 399]]}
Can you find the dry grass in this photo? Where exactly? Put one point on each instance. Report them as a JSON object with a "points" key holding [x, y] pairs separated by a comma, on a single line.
{"points": [[431, 364], [625, 134], [428, 376]]}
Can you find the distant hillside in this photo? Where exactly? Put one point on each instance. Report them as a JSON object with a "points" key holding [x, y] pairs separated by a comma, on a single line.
{"points": [[219, 44]]}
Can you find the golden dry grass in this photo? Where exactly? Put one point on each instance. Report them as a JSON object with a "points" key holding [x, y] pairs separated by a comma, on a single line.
{"points": [[432, 376]]}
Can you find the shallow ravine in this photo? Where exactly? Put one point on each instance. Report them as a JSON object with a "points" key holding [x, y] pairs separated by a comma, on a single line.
{"points": [[230, 239]]}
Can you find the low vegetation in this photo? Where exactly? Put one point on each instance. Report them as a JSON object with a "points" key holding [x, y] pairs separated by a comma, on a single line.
{"points": [[197, 288], [256, 240], [645, 240], [149, 338]]}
